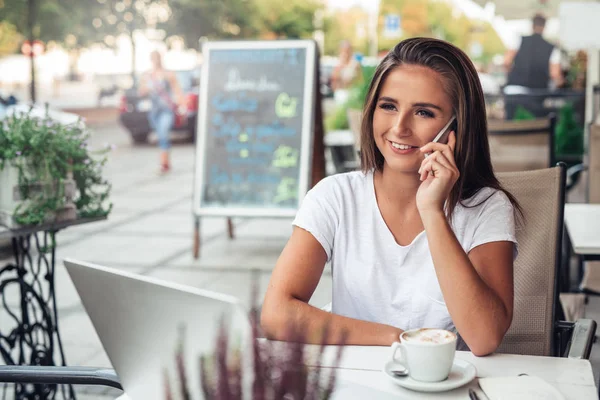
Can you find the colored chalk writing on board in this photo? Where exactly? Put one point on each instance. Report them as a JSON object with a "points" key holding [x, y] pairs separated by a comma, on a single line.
{"points": [[254, 128]]}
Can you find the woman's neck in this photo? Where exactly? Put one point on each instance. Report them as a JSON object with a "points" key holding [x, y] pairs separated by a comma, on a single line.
{"points": [[398, 187]]}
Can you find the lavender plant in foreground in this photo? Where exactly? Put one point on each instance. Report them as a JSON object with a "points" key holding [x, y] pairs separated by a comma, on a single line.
{"points": [[278, 370]]}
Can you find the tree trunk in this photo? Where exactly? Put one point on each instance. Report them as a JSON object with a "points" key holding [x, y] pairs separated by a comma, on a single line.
{"points": [[31, 17]]}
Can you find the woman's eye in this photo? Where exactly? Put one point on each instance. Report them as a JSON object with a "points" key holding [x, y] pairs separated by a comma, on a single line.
{"points": [[425, 113], [387, 107]]}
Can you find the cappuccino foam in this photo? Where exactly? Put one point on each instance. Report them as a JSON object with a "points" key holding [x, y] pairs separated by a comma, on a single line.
{"points": [[429, 335]]}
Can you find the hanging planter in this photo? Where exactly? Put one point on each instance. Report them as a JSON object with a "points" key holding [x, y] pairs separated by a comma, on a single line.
{"points": [[48, 173], [16, 198]]}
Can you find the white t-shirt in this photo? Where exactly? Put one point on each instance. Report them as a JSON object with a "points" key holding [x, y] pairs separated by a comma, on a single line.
{"points": [[374, 278]]}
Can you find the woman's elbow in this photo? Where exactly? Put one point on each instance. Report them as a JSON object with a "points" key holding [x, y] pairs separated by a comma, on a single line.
{"points": [[271, 321], [488, 342], [485, 347]]}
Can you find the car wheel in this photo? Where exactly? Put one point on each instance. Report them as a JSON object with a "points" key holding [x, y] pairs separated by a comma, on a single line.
{"points": [[140, 137]]}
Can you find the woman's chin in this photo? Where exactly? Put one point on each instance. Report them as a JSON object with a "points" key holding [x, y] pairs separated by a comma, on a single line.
{"points": [[401, 166]]}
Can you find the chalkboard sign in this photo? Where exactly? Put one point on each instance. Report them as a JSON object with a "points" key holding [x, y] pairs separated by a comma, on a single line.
{"points": [[255, 126]]}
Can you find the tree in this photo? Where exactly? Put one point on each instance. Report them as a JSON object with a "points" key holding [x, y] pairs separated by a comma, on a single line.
{"points": [[192, 20], [287, 19], [438, 18], [351, 25], [10, 39], [112, 18], [37, 20]]}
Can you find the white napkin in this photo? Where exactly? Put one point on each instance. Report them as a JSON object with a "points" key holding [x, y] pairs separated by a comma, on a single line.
{"points": [[519, 388]]}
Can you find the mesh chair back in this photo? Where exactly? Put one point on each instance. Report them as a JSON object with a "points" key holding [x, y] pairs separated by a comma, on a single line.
{"points": [[522, 145], [541, 196]]}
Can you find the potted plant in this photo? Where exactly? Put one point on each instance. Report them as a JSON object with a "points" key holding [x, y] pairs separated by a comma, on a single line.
{"points": [[277, 370], [48, 173]]}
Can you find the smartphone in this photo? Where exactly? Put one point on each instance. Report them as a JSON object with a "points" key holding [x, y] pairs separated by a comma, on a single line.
{"points": [[442, 136]]}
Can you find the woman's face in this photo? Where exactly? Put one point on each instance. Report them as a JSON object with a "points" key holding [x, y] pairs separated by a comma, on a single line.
{"points": [[411, 109]]}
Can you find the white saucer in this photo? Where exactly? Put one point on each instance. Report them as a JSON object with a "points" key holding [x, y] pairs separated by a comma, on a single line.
{"points": [[462, 372]]}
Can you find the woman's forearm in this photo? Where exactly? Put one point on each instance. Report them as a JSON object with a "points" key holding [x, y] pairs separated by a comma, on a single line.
{"points": [[283, 320], [478, 312]]}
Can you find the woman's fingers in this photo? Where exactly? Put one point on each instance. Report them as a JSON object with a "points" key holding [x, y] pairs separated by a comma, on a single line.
{"points": [[441, 160], [446, 149]]}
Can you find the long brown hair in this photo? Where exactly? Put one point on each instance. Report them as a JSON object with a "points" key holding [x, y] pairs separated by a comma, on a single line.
{"points": [[472, 152]]}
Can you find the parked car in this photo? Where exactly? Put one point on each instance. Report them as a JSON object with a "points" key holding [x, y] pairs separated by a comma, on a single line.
{"points": [[133, 109]]}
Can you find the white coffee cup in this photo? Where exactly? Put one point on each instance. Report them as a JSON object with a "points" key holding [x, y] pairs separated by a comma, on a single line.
{"points": [[427, 353]]}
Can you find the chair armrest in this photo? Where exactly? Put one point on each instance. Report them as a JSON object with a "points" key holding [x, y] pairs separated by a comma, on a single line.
{"points": [[59, 375], [582, 339], [573, 174]]}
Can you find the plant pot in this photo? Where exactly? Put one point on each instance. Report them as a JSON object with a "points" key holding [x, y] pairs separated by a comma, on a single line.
{"points": [[10, 198]]}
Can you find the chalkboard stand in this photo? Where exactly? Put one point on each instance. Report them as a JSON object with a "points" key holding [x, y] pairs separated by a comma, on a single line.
{"points": [[318, 167], [317, 162]]}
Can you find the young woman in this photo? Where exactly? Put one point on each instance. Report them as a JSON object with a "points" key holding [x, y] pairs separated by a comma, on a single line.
{"points": [[165, 95], [413, 240]]}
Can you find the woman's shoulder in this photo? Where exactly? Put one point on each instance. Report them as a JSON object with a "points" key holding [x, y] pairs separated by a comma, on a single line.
{"points": [[344, 182], [485, 198]]}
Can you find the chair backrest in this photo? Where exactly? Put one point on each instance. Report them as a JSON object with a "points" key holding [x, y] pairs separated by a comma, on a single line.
{"points": [[522, 145], [541, 195]]}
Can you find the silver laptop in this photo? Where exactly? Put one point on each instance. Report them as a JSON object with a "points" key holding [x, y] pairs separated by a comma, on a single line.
{"points": [[141, 321]]}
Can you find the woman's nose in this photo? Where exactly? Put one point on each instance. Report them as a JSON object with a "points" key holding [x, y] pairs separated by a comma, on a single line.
{"points": [[402, 124]]}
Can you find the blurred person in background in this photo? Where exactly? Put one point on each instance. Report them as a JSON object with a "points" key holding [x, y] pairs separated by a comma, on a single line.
{"points": [[345, 74], [165, 95], [534, 63]]}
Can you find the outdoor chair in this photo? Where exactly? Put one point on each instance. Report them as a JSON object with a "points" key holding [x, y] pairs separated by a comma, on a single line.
{"points": [[537, 328], [522, 145]]}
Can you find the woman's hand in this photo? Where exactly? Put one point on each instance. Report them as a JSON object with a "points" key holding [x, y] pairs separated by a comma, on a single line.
{"points": [[438, 174]]}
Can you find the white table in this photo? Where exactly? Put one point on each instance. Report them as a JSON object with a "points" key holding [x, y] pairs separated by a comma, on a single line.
{"points": [[361, 366], [583, 227]]}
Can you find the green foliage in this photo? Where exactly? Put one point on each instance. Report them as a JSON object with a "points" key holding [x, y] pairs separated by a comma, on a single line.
{"points": [[522, 114], [437, 18], [10, 39], [91, 21], [45, 154], [191, 20], [52, 19], [287, 19], [356, 100], [569, 135]]}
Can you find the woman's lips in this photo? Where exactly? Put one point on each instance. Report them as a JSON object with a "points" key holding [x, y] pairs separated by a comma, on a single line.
{"points": [[402, 151]]}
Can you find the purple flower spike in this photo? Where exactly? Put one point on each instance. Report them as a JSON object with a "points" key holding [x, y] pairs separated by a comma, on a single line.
{"points": [[18, 153]]}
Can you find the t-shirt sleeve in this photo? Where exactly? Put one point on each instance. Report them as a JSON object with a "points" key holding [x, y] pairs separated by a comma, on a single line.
{"points": [[555, 56], [319, 213], [495, 222]]}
